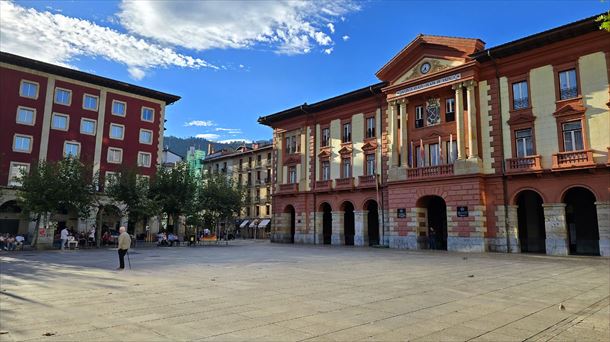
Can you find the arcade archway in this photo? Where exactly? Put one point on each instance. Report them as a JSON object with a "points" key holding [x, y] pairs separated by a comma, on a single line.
{"points": [[530, 216], [327, 223], [436, 221], [348, 223], [372, 222], [291, 212], [581, 220]]}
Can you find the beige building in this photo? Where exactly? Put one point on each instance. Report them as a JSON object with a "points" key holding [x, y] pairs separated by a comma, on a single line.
{"points": [[249, 166]]}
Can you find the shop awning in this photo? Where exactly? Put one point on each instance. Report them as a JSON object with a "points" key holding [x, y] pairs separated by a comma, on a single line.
{"points": [[264, 223], [244, 223], [253, 224]]}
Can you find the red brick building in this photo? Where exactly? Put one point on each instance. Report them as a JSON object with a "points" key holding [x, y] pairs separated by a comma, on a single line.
{"points": [[458, 147], [49, 112]]}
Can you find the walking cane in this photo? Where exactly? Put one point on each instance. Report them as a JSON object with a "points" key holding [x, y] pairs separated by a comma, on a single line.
{"points": [[128, 260]]}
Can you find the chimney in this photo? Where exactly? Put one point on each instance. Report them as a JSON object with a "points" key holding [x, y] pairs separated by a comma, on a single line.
{"points": [[254, 146], [210, 149]]}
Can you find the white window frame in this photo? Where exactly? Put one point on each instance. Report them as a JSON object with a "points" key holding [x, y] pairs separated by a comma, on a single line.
{"points": [[94, 126], [450, 105], [140, 154], [370, 167], [33, 110], [151, 136], [142, 114], [370, 128], [12, 178], [72, 142], [573, 136], [292, 175], [61, 115], [122, 132], [35, 97], [69, 96], [326, 170], [124, 106], [565, 72], [434, 154], [346, 168], [16, 135], [107, 176], [97, 102], [327, 137], [120, 155], [346, 136]]}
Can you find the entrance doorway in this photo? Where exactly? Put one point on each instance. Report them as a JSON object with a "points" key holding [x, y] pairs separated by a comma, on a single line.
{"points": [[436, 220], [348, 223], [530, 214], [290, 210], [581, 219], [327, 223], [373, 222], [9, 223]]}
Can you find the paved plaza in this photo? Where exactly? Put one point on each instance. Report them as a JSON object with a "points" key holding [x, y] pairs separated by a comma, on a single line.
{"points": [[257, 291]]}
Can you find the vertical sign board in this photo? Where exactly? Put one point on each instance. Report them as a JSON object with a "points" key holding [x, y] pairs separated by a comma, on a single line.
{"points": [[462, 211], [402, 212]]}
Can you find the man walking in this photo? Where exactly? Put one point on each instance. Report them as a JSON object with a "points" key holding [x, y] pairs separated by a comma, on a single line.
{"points": [[124, 244], [64, 237]]}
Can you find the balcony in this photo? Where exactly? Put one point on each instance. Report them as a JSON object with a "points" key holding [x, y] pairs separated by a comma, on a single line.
{"points": [[344, 183], [430, 171], [608, 156], [289, 188], [573, 159], [367, 181], [324, 185], [523, 165]]}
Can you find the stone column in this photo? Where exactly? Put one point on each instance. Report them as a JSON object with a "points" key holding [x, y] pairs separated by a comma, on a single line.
{"points": [[393, 129], [338, 237], [459, 120], [318, 236], [513, 229], [361, 225], [603, 224], [556, 228], [404, 143], [473, 150]]}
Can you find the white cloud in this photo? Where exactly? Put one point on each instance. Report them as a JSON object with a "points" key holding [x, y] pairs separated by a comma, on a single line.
{"points": [[208, 136], [200, 123], [241, 66], [345, 38], [331, 27], [289, 27], [59, 39], [328, 51], [228, 130]]}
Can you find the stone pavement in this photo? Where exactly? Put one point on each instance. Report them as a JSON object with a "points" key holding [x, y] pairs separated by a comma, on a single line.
{"points": [[256, 291]]}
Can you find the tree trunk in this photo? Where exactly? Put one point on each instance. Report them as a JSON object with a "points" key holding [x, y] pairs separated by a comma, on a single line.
{"points": [[98, 231], [35, 240]]}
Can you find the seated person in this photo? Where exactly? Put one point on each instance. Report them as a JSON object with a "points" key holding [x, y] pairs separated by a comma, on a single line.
{"points": [[162, 239], [172, 238], [10, 243], [19, 241]]}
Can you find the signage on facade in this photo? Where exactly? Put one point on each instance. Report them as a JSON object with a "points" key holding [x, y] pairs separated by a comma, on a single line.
{"points": [[462, 211], [402, 213], [429, 84]]}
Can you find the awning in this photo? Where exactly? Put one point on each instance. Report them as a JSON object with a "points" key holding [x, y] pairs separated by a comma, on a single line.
{"points": [[264, 223], [244, 223], [253, 224]]}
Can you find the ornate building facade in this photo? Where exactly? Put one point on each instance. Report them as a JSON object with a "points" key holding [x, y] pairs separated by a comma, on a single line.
{"points": [[458, 147]]}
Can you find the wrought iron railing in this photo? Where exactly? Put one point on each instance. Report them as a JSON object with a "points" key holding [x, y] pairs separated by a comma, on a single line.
{"points": [[521, 103], [568, 93]]}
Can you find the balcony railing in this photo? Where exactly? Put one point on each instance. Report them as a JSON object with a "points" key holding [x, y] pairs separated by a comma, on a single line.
{"points": [[573, 159], [289, 188], [367, 180], [430, 171], [523, 165], [324, 185], [568, 93], [344, 183], [521, 103]]}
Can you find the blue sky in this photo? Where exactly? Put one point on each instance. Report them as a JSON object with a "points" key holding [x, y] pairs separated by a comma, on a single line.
{"points": [[232, 62]]}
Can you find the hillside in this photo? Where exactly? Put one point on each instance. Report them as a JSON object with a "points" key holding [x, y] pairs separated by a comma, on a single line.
{"points": [[181, 145]]}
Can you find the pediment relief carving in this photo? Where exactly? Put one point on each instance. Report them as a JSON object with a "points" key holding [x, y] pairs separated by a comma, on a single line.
{"points": [[436, 65], [292, 159], [345, 150], [369, 146], [521, 119], [324, 154], [575, 108]]}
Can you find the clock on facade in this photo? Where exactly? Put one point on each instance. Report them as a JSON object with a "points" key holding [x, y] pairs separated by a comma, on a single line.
{"points": [[424, 68]]}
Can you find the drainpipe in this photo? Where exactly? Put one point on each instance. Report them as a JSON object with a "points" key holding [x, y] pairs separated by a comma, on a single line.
{"points": [[504, 177], [380, 205]]}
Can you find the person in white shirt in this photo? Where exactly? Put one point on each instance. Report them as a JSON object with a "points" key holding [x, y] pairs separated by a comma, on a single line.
{"points": [[64, 237]]}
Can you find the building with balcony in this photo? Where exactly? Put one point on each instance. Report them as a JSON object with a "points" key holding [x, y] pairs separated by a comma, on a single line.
{"points": [[50, 112], [249, 166], [458, 147]]}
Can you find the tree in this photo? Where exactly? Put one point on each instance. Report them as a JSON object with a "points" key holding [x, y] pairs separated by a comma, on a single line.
{"points": [[219, 198], [604, 21]]}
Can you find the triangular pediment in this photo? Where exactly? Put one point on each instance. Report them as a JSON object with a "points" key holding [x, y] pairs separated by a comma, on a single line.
{"points": [[324, 154], [429, 64], [369, 146], [345, 150], [521, 119], [570, 109]]}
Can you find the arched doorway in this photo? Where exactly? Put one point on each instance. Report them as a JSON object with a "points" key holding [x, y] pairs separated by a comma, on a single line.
{"points": [[348, 223], [10, 217], [327, 223], [581, 220], [530, 216], [436, 220], [372, 222], [290, 210]]}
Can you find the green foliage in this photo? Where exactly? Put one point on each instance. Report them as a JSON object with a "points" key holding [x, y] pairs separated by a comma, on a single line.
{"points": [[173, 191], [132, 190], [219, 197], [604, 21]]}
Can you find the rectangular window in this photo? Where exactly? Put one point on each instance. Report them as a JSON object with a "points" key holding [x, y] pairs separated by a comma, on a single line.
{"points": [[17, 170], [293, 144], [325, 170], [146, 136], [115, 155], [451, 151], [370, 127], [421, 157], [117, 131], [325, 136], [292, 175], [346, 166], [524, 143], [419, 117], [268, 210], [288, 147], [89, 102], [370, 164], [22, 143], [71, 149], [118, 108], [88, 126], [63, 96], [520, 95], [450, 109], [28, 89], [144, 159], [347, 133], [258, 211], [568, 88], [26, 116], [434, 154], [60, 122], [148, 114], [572, 136], [111, 177]]}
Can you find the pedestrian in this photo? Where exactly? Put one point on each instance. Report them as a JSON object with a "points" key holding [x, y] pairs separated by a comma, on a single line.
{"points": [[432, 238], [124, 244], [64, 237]]}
